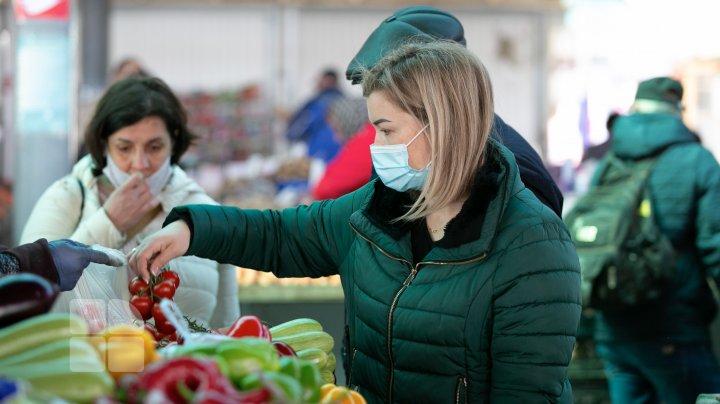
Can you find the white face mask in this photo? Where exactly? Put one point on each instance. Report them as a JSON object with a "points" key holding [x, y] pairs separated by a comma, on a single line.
{"points": [[392, 164], [156, 182]]}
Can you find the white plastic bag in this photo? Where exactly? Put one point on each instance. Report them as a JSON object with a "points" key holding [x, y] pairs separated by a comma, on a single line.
{"points": [[175, 317], [101, 295]]}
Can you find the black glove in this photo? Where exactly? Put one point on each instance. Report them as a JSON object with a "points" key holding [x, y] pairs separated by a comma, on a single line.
{"points": [[71, 258]]}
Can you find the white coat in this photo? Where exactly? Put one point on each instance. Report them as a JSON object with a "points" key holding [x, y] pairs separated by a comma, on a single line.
{"points": [[208, 290]]}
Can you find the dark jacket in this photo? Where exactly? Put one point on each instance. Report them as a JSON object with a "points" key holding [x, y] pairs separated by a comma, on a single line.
{"points": [[491, 319], [685, 193], [532, 170], [34, 258]]}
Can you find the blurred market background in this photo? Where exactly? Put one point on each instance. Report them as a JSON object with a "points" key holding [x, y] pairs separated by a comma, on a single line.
{"points": [[559, 69]]}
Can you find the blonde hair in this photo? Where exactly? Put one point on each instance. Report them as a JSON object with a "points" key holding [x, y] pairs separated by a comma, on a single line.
{"points": [[443, 85]]}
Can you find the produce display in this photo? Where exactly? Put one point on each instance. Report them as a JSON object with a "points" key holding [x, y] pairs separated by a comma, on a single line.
{"points": [[55, 356], [49, 354], [309, 342]]}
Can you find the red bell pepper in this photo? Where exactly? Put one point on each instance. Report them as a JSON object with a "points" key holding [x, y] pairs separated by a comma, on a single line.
{"points": [[248, 326], [187, 380]]}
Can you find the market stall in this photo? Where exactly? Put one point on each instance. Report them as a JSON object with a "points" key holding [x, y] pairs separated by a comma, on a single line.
{"points": [[156, 354]]}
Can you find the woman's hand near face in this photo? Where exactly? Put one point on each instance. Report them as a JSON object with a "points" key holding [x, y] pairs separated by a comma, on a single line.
{"points": [[158, 249], [127, 205]]}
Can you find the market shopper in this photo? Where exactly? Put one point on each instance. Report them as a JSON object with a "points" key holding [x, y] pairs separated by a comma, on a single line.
{"points": [[309, 123], [662, 351], [61, 261], [124, 188], [459, 284], [430, 23], [350, 169]]}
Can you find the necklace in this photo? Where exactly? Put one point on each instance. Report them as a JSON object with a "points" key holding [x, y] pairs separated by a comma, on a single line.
{"points": [[436, 230]]}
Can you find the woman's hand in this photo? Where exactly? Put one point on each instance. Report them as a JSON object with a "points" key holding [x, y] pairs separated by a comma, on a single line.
{"points": [[155, 251], [128, 204]]}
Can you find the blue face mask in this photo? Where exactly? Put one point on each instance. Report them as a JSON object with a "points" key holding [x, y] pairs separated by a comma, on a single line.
{"points": [[392, 165]]}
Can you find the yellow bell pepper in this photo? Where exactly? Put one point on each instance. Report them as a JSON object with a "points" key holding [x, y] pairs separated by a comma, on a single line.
{"points": [[125, 349]]}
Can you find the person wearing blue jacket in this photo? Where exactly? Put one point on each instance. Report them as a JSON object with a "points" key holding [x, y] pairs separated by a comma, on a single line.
{"points": [[309, 124]]}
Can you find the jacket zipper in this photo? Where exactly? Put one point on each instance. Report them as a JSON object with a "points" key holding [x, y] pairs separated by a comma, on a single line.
{"points": [[413, 272], [461, 387], [352, 364]]}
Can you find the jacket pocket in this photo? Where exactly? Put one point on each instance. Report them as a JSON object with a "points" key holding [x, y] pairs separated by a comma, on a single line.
{"points": [[461, 391], [351, 366]]}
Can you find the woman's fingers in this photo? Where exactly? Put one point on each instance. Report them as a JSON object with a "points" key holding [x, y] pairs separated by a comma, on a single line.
{"points": [[157, 250], [134, 263], [161, 259]]}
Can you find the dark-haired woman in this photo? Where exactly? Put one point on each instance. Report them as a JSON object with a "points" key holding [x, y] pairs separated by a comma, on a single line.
{"points": [[122, 191]]}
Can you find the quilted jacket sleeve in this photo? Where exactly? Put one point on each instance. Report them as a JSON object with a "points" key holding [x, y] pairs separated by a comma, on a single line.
{"points": [[707, 219], [306, 241], [535, 316], [33, 258]]}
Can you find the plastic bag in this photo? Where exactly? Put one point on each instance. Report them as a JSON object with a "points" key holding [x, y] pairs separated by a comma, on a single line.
{"points": [[175, 316], [101, 295]]}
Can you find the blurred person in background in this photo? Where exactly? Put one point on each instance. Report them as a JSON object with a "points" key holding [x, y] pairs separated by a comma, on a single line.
{"points": [[6, 201], [130, 180], [430, 23], [309, 124], [663, 353], [60, 262], [459, 284], [126, 68], [351, 167], [590, 159]]}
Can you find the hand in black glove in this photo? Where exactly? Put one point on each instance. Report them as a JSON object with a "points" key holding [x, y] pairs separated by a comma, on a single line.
{"points": [[71, 258]]}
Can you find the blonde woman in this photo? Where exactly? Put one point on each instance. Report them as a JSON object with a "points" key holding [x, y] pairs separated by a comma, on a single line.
{"points": [[460, 286]]}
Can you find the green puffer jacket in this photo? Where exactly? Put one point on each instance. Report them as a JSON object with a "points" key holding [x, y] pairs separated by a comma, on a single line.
{"points": [[491, 320], [685, 193]]}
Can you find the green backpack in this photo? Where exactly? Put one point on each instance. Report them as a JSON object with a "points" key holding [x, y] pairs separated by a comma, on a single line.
{"points": [[625, 259]]}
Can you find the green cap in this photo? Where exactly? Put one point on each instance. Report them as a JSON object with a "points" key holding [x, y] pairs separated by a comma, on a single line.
{"points": [[418, 22], [659, 94]]}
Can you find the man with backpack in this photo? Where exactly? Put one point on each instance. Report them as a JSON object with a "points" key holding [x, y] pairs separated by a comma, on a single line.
{"points": [[653, 299]]}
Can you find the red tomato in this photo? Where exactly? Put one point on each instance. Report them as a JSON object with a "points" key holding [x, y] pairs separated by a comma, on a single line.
{"points": [[137, 286], [171, 276], [157, 314], [248, 326], [165, 328], [163, 290], [143, 305], [153, 331]]}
